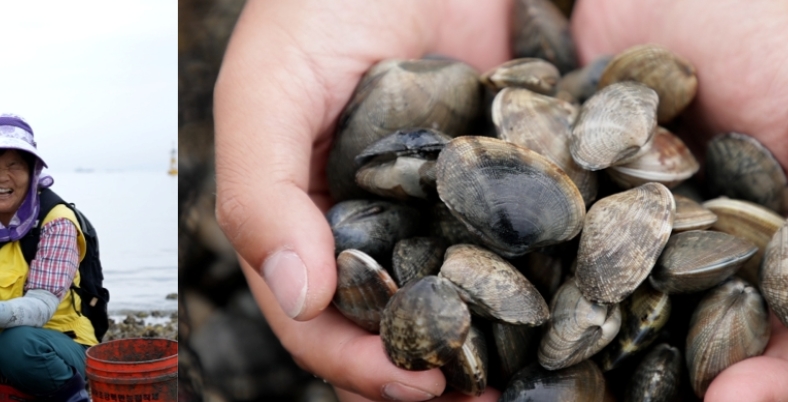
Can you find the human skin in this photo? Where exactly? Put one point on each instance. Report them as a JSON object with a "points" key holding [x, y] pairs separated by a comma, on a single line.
{"points": [[14, 176], [290, 68]]}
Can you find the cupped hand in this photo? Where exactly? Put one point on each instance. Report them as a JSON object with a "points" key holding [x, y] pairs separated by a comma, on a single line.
{"points": [[738, 48], [290, 68]]}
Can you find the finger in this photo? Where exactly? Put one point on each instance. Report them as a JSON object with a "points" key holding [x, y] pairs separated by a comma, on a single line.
{"points": [[778, 342], [757, 379], [333, 348]]}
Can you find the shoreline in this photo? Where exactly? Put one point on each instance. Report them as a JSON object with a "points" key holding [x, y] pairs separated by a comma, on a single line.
{"points": [[142, 324]]}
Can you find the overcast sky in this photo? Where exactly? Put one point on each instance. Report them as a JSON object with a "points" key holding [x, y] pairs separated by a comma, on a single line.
{"points": [[96, 80]]}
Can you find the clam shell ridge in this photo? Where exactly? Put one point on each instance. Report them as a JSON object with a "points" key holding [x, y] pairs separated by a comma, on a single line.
{"points": [[774, 274], [690, 215], [493, 287], [363, 289], [513, 199], [615, 126], [730, 324], [622, 238]]}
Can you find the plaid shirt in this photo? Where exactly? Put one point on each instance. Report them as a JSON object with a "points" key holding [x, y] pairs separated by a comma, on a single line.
{"points": [[57, 259]]}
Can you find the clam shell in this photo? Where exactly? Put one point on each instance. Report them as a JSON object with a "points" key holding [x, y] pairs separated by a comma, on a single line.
{"points": [[622, 238], [513, 199], [540, 30], [730, 324], [581, 84], [544, 125], [615, 126], [643, 315], [516, 346], [421, 142], [667, 161], [363, 289], [545, 271], [467, 372], [492, 287], [534, 74], [774, 274], [698, 260], [582, 382], [371, 226], [444, 225], [657, 377], [690, 215], [738, 166], [747, 221], [577, 328], [425, 324], [660, 69], [416, 258], [397, 94], [398, 178]]}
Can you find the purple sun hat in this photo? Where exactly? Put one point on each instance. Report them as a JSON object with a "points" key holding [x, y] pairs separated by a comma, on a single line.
{"points": [[16, 133]]}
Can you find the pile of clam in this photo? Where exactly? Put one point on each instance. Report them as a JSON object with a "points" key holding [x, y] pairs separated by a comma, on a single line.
{"points": [[453, 234]]}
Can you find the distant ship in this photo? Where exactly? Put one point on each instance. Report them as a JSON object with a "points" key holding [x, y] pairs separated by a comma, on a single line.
{"points": [[173, 164]]}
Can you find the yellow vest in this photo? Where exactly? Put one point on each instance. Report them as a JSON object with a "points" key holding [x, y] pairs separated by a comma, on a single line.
{"points": [[13, 276]]}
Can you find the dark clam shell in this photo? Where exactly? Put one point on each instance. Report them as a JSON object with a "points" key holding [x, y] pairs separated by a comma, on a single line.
{"points": [[421, 142], [516, 346], [416, 258], [730, 324], [492, 287], [467, 372], [698, 260], [425, 324], [363, 289], [644, 313], [738, 166], [582, 382], [371, 226], [540, 30], [657, 377], [774, 274], [445, 225], [513, 199], [397, 94], [581, 84]]}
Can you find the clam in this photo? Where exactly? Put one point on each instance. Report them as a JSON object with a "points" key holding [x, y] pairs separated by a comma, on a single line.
{"points": [[363, 289], [424, 324], [748, 221], [511, 198], [396, 94], [698, 260], [444, 225], [492, 287], [579, 85], [540, 30], [534, 74], [657, 377], [545, 271], [582, 382], [417, 257], [774, 274], [577, 328], [690, 215], [622, 238], [371, 226], [516, 346], [467, 372], [544, 125], [643, 315], [667, 161], [738, 166], [400, 165], [730, 324], [615, 126], [661, 70]]}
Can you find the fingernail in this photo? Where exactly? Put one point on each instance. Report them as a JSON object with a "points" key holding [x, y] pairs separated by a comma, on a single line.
{"points": [[285, 274], [400, 392]]}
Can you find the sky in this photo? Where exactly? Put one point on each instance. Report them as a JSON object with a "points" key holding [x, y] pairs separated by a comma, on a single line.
{"points": [[96, 80]]}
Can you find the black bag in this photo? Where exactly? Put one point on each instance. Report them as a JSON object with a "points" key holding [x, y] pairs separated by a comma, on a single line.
{"points": [[94, 296]]}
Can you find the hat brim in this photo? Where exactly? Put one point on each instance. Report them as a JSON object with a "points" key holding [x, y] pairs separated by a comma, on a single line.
{"points": [[14, 143]]}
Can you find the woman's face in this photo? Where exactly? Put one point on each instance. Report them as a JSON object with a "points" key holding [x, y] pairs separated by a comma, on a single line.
{"points": [[14, 182]]}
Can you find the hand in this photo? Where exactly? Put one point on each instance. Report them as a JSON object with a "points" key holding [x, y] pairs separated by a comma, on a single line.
{"points": [[738, 49], [289, 70]]}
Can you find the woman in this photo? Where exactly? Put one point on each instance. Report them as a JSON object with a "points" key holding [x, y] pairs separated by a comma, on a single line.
{"points": [[43, 336]]}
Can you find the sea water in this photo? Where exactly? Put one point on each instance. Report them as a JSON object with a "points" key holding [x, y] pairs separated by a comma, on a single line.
{"points": [[135, 216]]}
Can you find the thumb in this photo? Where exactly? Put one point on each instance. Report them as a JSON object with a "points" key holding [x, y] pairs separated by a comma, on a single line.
{"points": [[264, 153]]}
